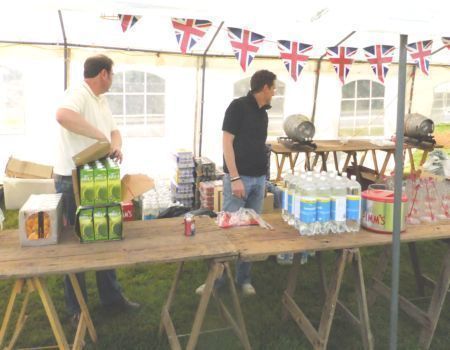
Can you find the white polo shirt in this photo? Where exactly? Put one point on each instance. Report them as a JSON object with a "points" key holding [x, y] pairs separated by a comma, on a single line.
{"points": [[95, 110]]}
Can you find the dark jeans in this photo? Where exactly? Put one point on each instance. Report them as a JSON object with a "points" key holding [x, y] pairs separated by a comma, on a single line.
{"points": [[108, 288]]}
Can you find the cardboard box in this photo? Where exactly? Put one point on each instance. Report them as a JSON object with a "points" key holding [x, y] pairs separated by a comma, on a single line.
{"points": [[27, 170], [98, 150], [135, 185], [218, 198], [40, 220], [17, 191]]}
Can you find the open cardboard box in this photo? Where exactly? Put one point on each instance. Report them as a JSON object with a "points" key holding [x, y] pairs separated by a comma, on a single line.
{"points": [[23, 179], [132, 185]]}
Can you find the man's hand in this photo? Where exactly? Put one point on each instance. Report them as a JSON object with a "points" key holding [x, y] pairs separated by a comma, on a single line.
{"points": [[116, 153], [238, 189]]}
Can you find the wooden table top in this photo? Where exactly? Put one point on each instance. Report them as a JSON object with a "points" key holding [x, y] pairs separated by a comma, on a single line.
{"points": [[336, 145], [145, 242], [254, 242]]}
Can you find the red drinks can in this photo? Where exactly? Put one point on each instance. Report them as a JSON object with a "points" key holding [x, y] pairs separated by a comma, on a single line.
{"points": [[127, 211], [189, 225]]}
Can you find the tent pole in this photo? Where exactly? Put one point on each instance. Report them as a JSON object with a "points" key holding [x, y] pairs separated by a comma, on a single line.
{"points": [[316, 84], [398, 191], [66, 50], [203, 88]]}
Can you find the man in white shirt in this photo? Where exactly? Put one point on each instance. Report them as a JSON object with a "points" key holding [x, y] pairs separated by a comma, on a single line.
{"points": [[85, 118]]}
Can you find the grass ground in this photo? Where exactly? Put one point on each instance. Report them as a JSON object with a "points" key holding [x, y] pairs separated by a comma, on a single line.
{"points": [[150, 285]]}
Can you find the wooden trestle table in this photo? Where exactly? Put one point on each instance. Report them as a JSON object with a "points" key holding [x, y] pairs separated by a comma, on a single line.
{"points": [[254, 243], [146, 242], [351, 148]]}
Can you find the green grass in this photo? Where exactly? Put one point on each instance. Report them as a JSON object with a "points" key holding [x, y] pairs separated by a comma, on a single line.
{"points": [[150, 285]]}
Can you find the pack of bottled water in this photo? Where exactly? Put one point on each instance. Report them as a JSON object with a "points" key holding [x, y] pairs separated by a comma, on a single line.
{"points": [[319, 203]]}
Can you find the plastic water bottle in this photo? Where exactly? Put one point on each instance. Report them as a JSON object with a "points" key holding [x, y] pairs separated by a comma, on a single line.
{"points": [[353, 205], [338, 206], [291, 195], [323, 191], [308, 208], [284, 210], [297, 199]]}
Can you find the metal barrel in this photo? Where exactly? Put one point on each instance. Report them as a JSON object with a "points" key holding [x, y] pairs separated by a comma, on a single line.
{"points": [[418, 126], [299, 128]]}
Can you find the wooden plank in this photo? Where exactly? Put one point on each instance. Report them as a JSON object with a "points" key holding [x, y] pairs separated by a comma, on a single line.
{"points": [[78, 342], [437, 302], [85, 316], [21, 319], [301, 320], [51, 313], [330, 303], [170, 330], [350, 316], [7, 317], [412, 310], [291, 283], [363, 311], [215, 272], [171, 295], [229, 318], [237, 308], [416, 267]]}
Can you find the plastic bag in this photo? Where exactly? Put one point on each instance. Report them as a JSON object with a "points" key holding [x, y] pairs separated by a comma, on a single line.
{"points": [[242, 217]]}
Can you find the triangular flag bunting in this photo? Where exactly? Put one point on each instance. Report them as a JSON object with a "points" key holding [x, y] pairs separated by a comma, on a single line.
{"points": [[189, 31], [379, 57], [420, 53], [446, 41], [339, 56], [293, 55], [128, 21], [245, 45]]}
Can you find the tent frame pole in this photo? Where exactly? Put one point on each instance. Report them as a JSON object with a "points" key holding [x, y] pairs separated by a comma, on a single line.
{"points": [[398, 189], [66, 50], [203, 89]]}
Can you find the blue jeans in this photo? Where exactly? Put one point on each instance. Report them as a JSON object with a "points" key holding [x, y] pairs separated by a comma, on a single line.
{"points": [[107, 285], [254, 197]]}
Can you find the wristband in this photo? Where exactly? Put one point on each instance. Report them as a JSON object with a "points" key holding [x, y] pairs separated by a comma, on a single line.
{"points": [[235, 178]]}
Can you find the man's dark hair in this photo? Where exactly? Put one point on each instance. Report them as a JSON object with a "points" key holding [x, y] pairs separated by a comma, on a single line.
{"points": [[261, 78], [95, 64]]}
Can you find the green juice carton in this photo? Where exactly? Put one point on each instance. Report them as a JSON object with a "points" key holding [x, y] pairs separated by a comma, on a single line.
{"points": [[115, 222], [114, 184], [100, 224], [86, 177], [86, 225], [100, 184]]}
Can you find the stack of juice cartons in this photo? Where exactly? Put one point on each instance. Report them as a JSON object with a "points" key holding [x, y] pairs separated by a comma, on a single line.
{"points": [[183, 183], [205, 171], [100, 212]]}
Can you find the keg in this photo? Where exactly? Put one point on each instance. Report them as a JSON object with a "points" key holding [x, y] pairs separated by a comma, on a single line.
{"points": [[299, 128], [418, 126]]}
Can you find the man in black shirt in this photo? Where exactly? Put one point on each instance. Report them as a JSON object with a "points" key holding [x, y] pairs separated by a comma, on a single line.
{"points": [[245, 161]]}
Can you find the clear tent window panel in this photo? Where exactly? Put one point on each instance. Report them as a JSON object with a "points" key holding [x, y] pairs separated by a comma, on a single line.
{"points": [[362, 109], [137, 101]]}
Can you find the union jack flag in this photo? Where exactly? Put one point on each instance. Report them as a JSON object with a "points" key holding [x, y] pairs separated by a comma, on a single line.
{"points": [[379, 57], [245, 45], [189, 31], [446, 41], [128, 21], [420, 52], [340, 58], [293, 55]]}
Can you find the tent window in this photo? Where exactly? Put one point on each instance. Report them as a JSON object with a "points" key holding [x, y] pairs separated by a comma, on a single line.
{"points": [[440, 112], [137, 101], [276, 113], [12, 102], [362, 109]]}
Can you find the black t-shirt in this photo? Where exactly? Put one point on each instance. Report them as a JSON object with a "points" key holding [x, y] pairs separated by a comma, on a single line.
{"points": [[248, 123]]}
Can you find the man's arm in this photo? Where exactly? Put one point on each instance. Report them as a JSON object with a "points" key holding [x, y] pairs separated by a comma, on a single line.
{"points": [[116, 146], [75, 123], [237, 187]]}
